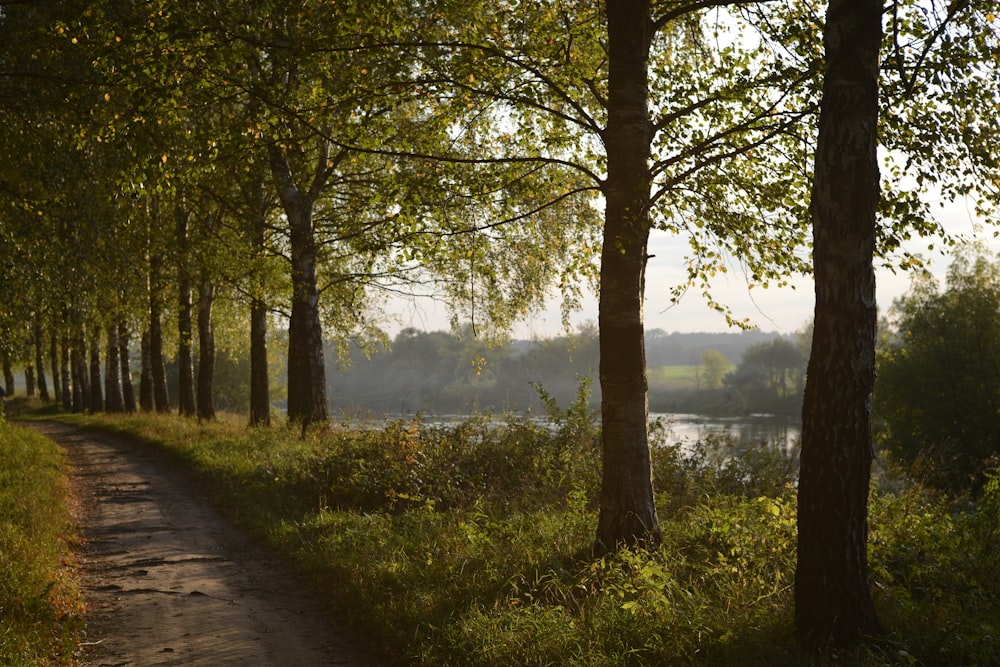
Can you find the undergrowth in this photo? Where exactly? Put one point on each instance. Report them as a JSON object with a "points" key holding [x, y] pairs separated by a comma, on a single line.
{"points": [[40, 606], [470, 544]]}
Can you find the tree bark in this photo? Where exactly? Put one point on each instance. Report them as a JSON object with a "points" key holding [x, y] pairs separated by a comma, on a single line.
{"points": [[96, 396], [206, 352], [146, 376], [57, 385], [833, 604], [306, 364], [39, 340], [78, 368], [158, 377], [114, 400], [627, 513], [64, 373], [128, 392], [260, 396], [8, 375], [185, 362]]}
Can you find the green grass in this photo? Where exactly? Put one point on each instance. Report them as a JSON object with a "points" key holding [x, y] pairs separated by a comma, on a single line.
{"points": [[470, 545], [41, 609], [672, 378]]}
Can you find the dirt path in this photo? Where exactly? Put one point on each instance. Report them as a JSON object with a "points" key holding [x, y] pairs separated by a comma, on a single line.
{"points": [[169, 582]]}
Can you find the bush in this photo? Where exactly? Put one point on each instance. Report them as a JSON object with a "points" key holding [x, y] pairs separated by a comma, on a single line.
{"points": [[934, 572]]}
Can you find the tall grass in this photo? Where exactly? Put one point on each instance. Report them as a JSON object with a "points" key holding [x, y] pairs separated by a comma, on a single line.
{"points": [[470, 545], [40, 606]]}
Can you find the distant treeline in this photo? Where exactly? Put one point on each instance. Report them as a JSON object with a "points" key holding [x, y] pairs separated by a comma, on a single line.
{"points": [[444, 373]]}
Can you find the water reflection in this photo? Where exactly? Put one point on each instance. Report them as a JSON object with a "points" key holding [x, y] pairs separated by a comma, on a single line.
{"points": [[678, 428], [746, 430]]}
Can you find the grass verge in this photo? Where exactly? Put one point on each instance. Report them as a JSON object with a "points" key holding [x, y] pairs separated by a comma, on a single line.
{"points": [[40, 606], [469, 545]]}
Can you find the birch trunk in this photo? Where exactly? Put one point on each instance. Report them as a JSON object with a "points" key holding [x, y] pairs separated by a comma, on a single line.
{"points": [[627, 513], [185, 361], [96, 395], [124, 363], [833, 603], [114, 401], [306, 364], [206, 352]]}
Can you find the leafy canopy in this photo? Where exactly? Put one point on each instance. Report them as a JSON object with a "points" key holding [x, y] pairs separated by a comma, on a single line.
{"points": [[937, 399]]}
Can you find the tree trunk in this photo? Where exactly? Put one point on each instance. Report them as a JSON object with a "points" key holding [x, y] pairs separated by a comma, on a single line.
{"points": [[206, 352], [306, 365], [260, 397], [833, 604], [8, 375], [146, 376], [96, 396], [158, 377], [114, 401], [43, 387], [57, 386], [64, 373], [185, 362], [29, 380], [78, 376], [128, 392], [78, 369], [627, 512]]}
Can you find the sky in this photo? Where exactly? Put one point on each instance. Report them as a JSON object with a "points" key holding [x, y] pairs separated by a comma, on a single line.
{"points": [[783, 310]]}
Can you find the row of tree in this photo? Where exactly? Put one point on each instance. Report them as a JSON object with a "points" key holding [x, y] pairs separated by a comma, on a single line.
{"points": [[447, 373], [298, 157]]}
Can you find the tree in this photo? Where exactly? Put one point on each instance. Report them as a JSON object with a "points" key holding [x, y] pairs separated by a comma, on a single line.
{"points": [[185, 333], [573, 80], [769, 377], [937, 398], [833, 603], [714, 366], [114, 397], [627, 511]]}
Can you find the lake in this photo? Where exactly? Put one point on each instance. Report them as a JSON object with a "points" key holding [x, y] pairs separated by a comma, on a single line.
{"points": [[745, 430], [688, 428]]}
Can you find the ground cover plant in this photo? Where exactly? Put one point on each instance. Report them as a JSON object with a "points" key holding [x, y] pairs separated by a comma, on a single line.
{"points": [[40, 605], [469, 544]]}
